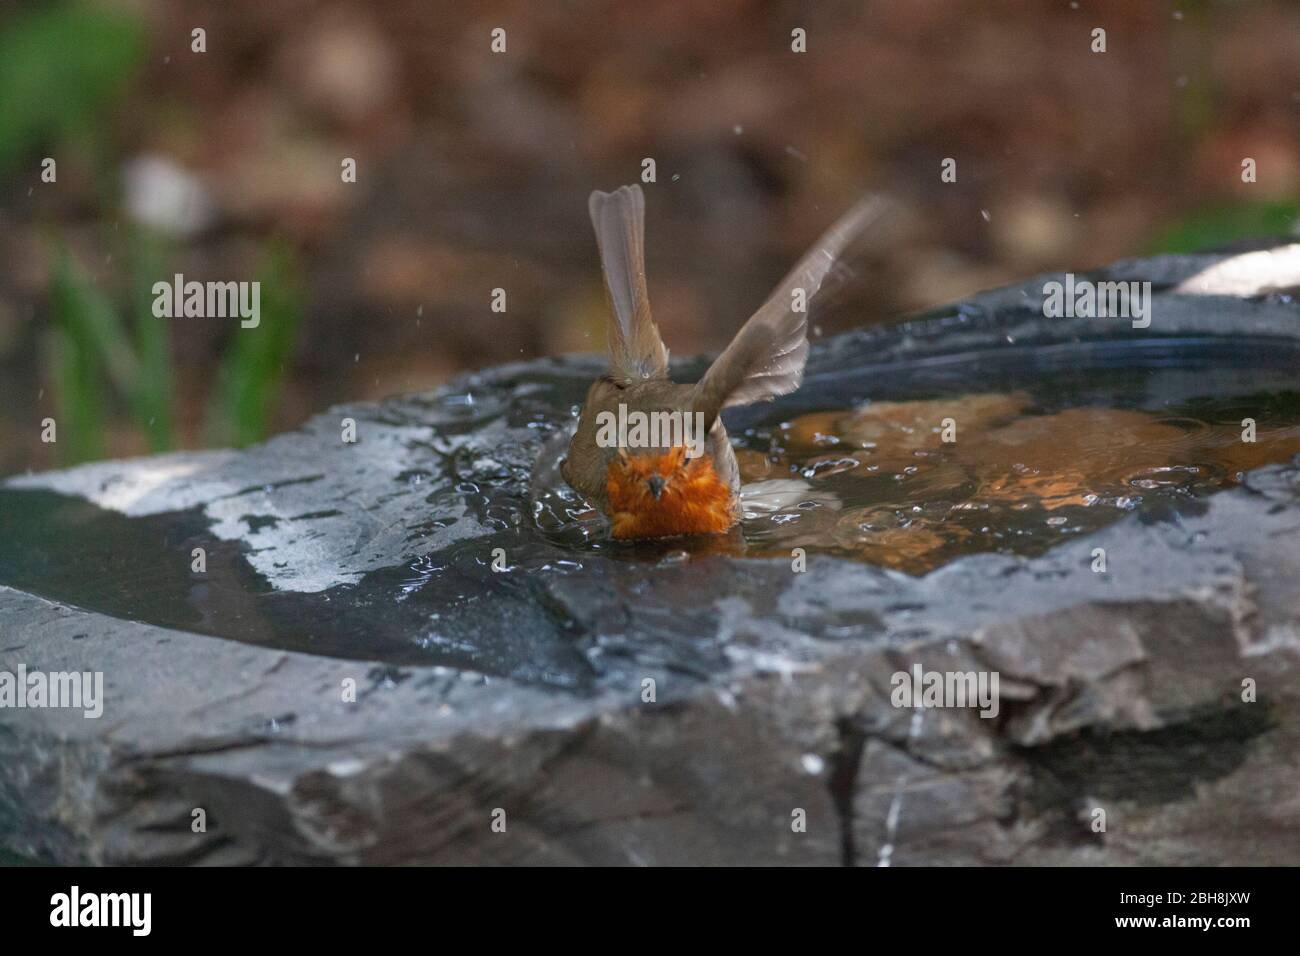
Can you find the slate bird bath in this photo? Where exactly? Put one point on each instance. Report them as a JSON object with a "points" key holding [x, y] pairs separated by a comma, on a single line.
{"points": [[518, 695]]}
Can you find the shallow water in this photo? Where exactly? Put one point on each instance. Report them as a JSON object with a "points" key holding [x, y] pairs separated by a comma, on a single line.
{"points": [[1049, 458], [1022, 473], [1050, 444]]}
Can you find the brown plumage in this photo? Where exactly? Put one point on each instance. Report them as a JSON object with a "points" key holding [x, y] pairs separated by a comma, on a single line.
{"points": [[765, 359]]}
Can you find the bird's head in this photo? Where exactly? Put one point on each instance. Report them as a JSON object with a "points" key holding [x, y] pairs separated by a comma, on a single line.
{"points": [[660, 493], [644, 479]]}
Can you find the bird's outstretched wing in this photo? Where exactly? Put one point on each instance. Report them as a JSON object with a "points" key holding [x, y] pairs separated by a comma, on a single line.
{"points": [[635, 349], [767, 356]]}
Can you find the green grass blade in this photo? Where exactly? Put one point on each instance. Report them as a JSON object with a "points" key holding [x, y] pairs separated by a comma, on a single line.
{"points": [[154, 393], [79, 383], [257, 358], [90, 316]]}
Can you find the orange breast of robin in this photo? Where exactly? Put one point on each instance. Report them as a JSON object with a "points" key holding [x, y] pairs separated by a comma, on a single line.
{"points": [[693, 499]]}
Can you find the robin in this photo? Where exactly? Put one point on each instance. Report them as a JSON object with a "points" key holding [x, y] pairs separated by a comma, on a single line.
{"points": [[650, 453]]}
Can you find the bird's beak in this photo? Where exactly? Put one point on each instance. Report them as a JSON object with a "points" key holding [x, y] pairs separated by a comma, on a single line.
{"points": [[656, 486]]}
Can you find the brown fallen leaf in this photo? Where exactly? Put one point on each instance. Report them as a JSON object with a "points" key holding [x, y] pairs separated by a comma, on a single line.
{"points": [[1238, 457], [895, 427], [1074, 457], [884, 537]]}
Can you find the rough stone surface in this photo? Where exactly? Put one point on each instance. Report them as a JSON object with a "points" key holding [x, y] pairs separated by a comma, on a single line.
{"points": [[1120, 691]]}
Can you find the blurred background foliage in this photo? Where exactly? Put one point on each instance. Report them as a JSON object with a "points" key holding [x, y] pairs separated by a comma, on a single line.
{"points": [[61, 64], [473, 170]]}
